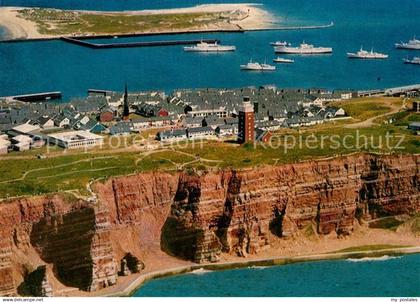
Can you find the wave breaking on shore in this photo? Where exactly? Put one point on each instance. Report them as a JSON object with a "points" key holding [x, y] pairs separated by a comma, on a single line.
{"points": [[200, 271]]}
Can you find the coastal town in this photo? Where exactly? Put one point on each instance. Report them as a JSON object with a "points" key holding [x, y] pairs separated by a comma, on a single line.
{"points": [[189, 149], [185, 114]]}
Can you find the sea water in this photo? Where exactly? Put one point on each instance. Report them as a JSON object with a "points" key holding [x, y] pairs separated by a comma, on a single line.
{"points": [[55, 65], [385, 276]]}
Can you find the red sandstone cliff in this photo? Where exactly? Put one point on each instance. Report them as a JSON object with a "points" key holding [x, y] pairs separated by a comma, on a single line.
{"points": [[236, 211], [197, 217], [70, 235]]}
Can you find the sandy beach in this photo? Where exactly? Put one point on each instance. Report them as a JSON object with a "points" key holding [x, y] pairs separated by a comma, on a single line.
{"points": [[257, 18], [282, 251], [18, 28]]}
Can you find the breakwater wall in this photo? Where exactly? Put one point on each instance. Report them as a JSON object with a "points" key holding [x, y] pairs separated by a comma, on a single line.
{"points": [[298, 27], [131, 35], [135, 44]]}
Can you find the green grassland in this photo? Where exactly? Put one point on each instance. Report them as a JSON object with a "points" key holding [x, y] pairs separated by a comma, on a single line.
{"points": [[404, 118], [74, 171], [364, 108], [59, 22], [39, 176], [24, 174]]}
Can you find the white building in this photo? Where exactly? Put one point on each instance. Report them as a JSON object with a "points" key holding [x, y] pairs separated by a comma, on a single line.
{"points": [[4, 145], [22, 139], [116, 103], [346, 96], [173, 135], [200, 132], [26, 128], [61, 121], [22, 142], [84, 120], [23, 146], [76, 139], [162, 122], [139, 124], [192, 122], [226, 130], [150, 123], [317, 102], [219, 112], [340, 112], [46, 122]]}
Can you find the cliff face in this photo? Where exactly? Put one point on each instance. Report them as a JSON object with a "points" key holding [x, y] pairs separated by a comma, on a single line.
{"points": [[235, 212], [7, 283], [197, 217], [70, 235]]}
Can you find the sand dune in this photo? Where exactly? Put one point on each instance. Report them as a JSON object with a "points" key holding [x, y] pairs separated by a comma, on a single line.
{"points": [[16, 27], [257, 18]]}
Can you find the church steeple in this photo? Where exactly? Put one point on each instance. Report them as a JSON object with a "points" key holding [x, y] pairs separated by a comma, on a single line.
{"points": [[126, 109]]}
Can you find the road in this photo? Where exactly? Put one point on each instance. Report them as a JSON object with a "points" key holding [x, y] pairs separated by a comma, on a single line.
{"points": [[371, 121]]}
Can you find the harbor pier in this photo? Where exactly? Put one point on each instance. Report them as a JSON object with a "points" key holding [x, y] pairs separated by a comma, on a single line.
{"points": [[135, 44], [38, 97], [394, 91]]}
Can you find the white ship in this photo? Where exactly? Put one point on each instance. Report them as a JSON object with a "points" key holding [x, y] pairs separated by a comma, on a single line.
{"points": [[283, 60], [363, 54], [303, 48], [411, 44], [209, 47], [415, 60], [258, 67], [280, 43]]}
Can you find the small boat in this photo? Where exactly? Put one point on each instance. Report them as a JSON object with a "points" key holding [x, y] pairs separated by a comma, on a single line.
{"points": [[209, 47], [258, 67], [363, 54], [280, 43], [283, 60], [415, 60], [303, 49], [413, 44]]}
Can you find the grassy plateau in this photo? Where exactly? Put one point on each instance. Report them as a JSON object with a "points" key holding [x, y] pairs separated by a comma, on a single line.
{"points": [[24, 173]]}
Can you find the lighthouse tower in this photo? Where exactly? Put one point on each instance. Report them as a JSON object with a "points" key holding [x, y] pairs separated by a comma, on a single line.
{"points": [[246, 130], [126, 108]]}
